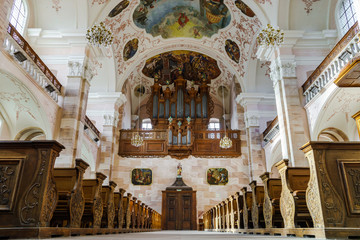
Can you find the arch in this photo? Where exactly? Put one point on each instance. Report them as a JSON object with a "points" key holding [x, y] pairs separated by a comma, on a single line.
{"points": [[21, 110], [333, 135], [139, 63], [275, 157], [30, 133]]}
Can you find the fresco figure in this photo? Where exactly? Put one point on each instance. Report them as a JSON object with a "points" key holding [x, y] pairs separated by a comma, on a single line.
{"points": [[130, 49], [232, 50]]}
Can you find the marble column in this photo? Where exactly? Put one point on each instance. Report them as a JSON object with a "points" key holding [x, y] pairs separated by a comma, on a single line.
{"points": [[73, 115]]}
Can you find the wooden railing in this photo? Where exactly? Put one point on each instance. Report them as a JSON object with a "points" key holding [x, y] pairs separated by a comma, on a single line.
{"points": [[331, 66], [32, 54], [156, 143], [90, 125]]}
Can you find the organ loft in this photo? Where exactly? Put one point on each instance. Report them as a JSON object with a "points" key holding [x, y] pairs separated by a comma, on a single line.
{"points": [[215, 119]]}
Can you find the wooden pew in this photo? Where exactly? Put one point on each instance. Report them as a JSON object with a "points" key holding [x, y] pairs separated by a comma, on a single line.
{"points": [[70, 203], [294, 181], [272, 193], [119, 210], [333, 192], [222, 216], [247, 204], [227, 214], [29, 193], [107, 197], [128, 210], [138, 214], [93, 210], [133, 207], [257, 215], [239, 222], [232, 213]]}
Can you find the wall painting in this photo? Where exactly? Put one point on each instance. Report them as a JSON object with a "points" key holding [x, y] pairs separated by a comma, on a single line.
{"points": [[217, 176], [141, 176]]}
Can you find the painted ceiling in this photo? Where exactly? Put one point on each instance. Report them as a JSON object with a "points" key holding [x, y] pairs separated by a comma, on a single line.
{"points": [[190, 65], [179, 18]]}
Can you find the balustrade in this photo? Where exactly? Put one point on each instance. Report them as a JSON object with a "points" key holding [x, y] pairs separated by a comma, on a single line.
{"points": [[19, 48], [342, 54]]}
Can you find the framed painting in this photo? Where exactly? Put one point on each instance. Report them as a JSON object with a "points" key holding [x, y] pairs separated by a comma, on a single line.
{"points": [[217, 176], [141, 176]]}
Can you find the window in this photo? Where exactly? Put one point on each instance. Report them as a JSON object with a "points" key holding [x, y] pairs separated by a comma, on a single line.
{"points": [[214, 124], [146, 124], [18, 15], [347, 15]]}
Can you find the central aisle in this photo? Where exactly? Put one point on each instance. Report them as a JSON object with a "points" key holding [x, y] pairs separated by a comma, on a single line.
{"points": [[178, 235]]}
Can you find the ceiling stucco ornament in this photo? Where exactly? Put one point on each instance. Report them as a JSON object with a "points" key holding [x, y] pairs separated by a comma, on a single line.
{"points": [[56, 5], [308, 5]]}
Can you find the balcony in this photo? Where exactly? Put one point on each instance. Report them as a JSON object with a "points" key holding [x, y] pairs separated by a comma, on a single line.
{"points": [[339, 66], [157, 144], [22, 52], [91, 130], [271, 131]]}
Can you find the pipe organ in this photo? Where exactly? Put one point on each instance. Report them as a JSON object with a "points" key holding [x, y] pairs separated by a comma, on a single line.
{"points": [[181, 109]]}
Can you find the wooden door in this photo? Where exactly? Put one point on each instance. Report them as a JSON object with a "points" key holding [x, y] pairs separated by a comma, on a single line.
{"points": [[179, 211]]}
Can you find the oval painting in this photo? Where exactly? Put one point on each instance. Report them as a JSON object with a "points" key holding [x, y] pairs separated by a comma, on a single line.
{"points": [[119, 8], [130, 49], [244, 8], [232, 50]]}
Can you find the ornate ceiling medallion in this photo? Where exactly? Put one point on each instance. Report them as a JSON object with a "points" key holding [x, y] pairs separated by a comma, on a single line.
{"points": [[179, 18]]}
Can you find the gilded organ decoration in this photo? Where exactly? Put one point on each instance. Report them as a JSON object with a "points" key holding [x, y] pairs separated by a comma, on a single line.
{"points": [[180, 91]]}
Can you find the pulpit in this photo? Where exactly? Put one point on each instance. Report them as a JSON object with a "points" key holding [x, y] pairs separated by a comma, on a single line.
{"points": [[179, 206]]}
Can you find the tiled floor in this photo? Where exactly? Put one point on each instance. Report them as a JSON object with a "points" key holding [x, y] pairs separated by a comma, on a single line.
{"points": [[178, 235]]}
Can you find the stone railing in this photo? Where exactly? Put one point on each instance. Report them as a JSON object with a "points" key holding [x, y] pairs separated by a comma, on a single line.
{"points": [[17, 47], [89, 125], [343, 52], [271, 130]]}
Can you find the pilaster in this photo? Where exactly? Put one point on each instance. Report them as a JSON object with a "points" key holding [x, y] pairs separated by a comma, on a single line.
{"points": [[73, 115], [291, 115]]}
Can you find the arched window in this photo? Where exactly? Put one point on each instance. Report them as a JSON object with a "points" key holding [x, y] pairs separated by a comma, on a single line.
{"points": [[146, 124], [347, 15], [18, 15], [214, 124]]}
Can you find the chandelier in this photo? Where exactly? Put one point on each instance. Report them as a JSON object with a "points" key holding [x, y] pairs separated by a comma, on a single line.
{"points": [[137, 140], [270, 36], [99, 35], [225, 142]]}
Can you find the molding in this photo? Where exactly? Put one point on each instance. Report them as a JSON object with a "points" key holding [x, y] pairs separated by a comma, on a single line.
{"points": [[245, 99]]}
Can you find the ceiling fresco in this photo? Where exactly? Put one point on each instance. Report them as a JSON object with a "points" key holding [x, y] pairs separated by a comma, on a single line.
{"points": [[179, 18], [194, 66]]}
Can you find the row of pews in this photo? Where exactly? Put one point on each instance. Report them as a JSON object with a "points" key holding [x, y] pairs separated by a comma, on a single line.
{"points": [[40, 201], [321, 201]]}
